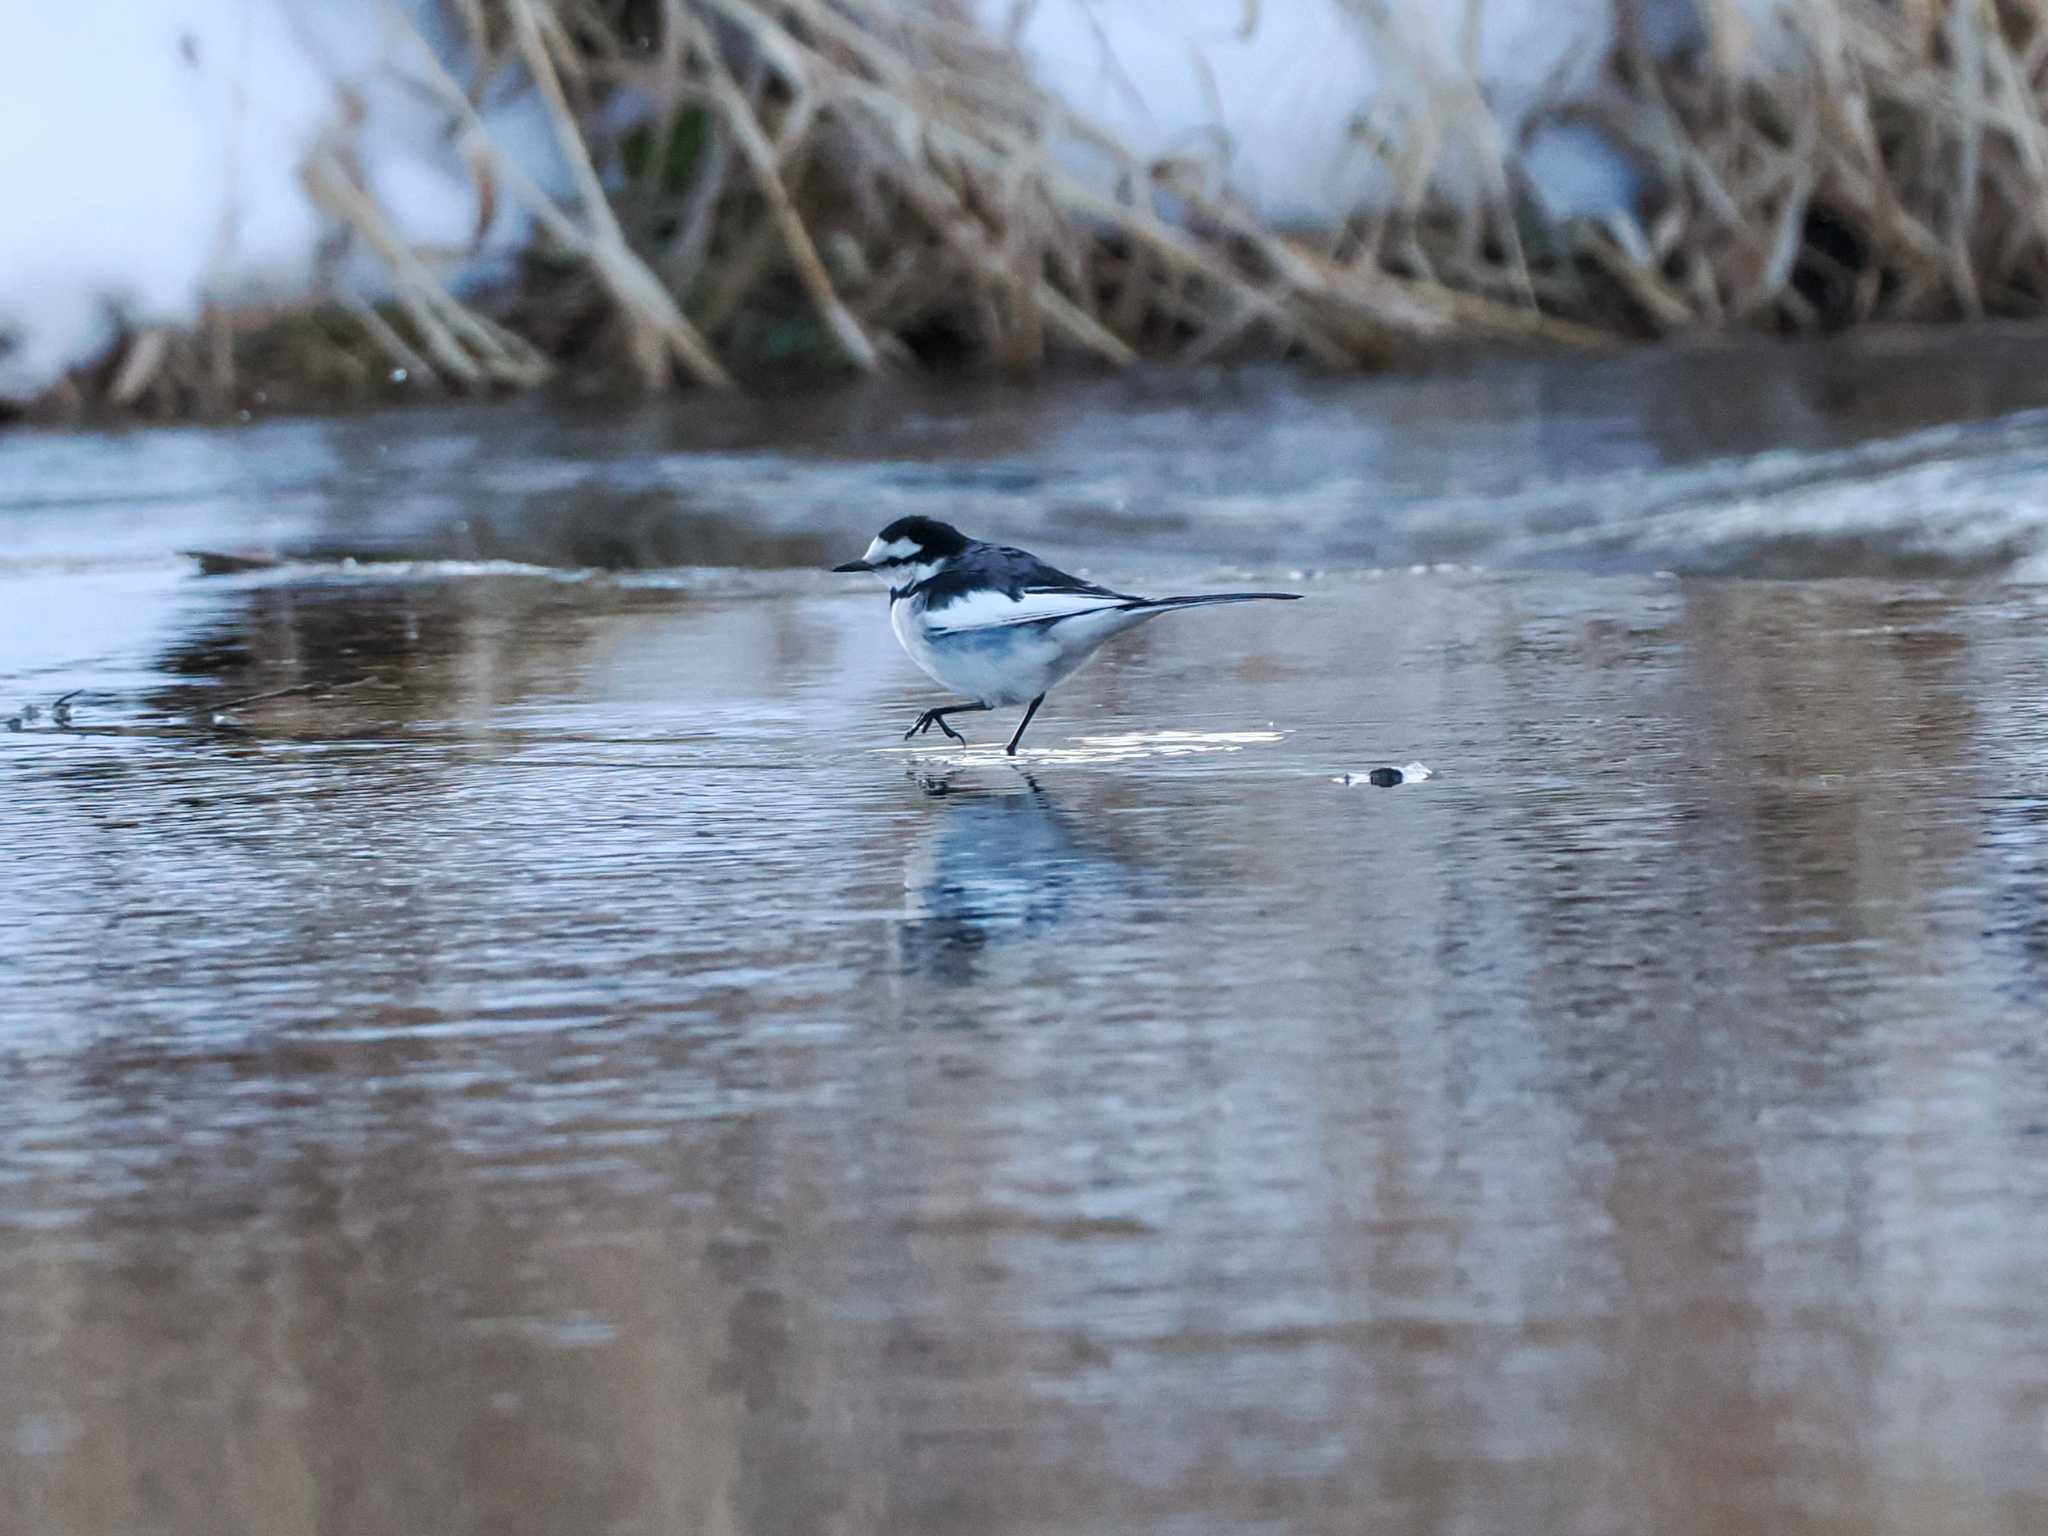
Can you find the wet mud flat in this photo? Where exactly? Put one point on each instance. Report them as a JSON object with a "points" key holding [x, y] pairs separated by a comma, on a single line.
{"points": [[569, 1065]]}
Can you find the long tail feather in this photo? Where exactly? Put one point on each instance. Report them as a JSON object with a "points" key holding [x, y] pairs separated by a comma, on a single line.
{"points": [[1204, 598]]}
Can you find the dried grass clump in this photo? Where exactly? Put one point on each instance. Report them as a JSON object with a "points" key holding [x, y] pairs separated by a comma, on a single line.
{"points": [[851, 182], [847, 184], [1845, 162], [835, 184]]}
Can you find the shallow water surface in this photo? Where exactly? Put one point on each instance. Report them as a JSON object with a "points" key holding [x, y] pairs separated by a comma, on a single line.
{"points": [[570, 1067]]}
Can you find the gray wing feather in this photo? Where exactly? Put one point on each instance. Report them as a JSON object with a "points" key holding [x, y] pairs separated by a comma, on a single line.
{"points": [[1011, 571]]}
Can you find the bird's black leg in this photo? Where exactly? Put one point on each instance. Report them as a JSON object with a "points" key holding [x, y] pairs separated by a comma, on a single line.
{"points": [[932, 717], [1012, 747]]}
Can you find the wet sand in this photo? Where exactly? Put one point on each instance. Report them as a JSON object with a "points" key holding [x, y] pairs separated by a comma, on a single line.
{"points": [[573, 1068]]}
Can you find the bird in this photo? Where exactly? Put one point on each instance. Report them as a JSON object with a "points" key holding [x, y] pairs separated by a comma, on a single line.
{"points": [[998, 626]]}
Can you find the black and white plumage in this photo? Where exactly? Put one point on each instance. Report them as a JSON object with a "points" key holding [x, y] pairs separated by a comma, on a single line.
{"points": [[999, 626]]}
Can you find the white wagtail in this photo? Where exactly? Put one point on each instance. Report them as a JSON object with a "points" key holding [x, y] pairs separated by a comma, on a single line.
{"points": [[997, 625]]}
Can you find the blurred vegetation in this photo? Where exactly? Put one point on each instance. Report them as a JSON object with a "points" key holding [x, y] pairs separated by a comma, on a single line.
{"points": [[820, 186]]}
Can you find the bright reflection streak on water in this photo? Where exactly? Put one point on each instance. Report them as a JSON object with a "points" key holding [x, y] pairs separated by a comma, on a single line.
{"points": [[589, 1075]]}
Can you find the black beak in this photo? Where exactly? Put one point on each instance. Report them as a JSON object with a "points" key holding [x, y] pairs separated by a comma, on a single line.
{"points": [[853, 565]]}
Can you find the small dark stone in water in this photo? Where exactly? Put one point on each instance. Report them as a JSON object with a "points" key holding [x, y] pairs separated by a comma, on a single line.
{"points": [[1387, 778]]}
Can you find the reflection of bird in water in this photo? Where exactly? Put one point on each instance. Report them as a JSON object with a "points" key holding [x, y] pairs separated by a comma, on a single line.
{"points": [[993, 869]]}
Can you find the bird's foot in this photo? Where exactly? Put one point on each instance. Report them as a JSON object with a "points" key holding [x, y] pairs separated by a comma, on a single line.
{"points": [[927, 720]]}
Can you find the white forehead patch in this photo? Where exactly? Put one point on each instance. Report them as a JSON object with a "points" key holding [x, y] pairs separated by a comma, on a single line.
{"points": [[895, 549]]}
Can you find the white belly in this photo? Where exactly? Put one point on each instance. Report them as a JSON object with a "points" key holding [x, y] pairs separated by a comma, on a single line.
{"points": [[1010, 665]]}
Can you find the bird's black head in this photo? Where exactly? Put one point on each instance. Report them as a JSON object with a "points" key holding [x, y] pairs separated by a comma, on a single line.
{"points": [[932, 539], [909, 541]]}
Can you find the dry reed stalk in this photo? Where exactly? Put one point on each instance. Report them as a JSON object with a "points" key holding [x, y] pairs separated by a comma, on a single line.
{"points": [[457, 340], [659, 332], [763, 159], [140, 364]]}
